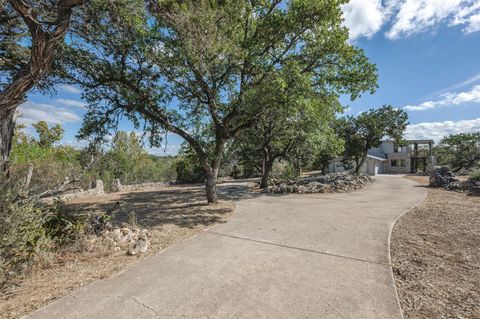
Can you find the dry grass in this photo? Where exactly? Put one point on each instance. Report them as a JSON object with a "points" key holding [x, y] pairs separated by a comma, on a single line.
{"points": [[436, 256], [171, 214], [420, 179]]}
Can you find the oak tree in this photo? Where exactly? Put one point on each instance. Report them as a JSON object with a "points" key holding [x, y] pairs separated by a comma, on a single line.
{"points": [[31, 32], [367, 130], [461, 151], [189, 66]]}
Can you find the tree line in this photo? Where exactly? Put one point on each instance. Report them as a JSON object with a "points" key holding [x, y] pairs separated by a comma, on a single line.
{"points": [[47, 163], [263, 76], [205, 70]]}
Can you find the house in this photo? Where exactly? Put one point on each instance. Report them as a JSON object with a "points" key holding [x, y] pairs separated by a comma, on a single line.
{"points": [[413, 157]]}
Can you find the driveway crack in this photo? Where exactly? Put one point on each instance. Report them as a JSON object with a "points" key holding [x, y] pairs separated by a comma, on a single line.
{"points": [[299, 248], [144, 305]]}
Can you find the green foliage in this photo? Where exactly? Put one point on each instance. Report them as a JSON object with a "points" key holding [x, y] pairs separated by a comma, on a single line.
{"points": [[63, 228], [125, 159], [22, 232], [285, 171], [326, 147], [475, 175], [187, 166], [29, 231], [367, 130], [48, 135], [295, 120], [50, 165], [460, 151], [154, 66]]}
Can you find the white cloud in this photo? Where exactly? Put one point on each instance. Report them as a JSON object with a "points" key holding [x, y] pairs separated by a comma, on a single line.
{"points": [[365, 18], [462, 84], [473, 24], [418, 15], [69, 89], [448, 99], [438, 130], [468, 16], [33, 112], [74, 103]]}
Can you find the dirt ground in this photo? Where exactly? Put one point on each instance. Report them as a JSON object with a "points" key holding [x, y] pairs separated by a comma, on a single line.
{"points": [[170, 214], [436, 256]]}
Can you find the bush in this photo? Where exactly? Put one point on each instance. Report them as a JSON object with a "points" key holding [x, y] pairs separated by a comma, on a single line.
{"points": [[125, 159], [285, 171], [475, 175], [188, 170], [29, 231], [22, 232]]}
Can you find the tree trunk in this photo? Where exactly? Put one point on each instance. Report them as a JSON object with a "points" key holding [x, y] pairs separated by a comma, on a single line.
{"points": [[267, 168], [7, 126], [360, 164], [211, 186], [211, 172], [28, 179], [43, 48], [324, 168]]}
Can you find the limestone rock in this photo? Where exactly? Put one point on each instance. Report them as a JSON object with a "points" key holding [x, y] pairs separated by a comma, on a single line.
{"points": [[335, 182], [442, 177], [133, 239], [116, 186]]}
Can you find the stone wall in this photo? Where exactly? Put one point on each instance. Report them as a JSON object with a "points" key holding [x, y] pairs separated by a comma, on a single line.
{"points": [[97, 189], [117, 186]]}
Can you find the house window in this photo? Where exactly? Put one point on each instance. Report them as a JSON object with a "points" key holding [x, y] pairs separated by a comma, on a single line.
{"points": [[398, 163]]}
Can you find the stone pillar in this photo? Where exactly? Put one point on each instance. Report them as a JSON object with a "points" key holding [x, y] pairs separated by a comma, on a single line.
{"points": [[116, 185], [98, 187]]}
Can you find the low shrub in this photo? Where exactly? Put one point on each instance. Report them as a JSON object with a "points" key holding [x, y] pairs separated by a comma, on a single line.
{"points": [[30, 231], [22, 233], [285, 171], [474, 175], [188, 170]]}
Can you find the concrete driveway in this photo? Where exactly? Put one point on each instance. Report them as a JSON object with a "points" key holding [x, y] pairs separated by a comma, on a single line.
{"points": [[298, 256]]}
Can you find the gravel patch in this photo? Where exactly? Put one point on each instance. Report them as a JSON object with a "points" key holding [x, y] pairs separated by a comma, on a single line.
{"points": [[436, 257]]}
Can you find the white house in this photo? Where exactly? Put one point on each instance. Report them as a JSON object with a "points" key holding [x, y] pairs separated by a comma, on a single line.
{"points": [[415, 156]]}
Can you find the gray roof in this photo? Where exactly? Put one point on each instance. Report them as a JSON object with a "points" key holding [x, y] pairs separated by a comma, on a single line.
{"points": [[375, 152], [413, 141]]}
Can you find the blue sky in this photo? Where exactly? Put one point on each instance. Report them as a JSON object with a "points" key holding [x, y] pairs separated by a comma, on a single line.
{"points": [[428, 58]]}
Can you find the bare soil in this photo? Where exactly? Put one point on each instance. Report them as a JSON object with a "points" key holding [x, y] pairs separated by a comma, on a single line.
{"points": [[436, 256], [170, 214]]}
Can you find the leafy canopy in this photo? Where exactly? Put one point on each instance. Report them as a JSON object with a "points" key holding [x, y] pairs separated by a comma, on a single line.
{"points": [[48, 135], [367, 130], [187, 66], [197, 68], [461, 151]]}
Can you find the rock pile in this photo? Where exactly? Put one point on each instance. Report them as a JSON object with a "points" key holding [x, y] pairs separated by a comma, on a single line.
{"points": [[334, 182], [443, 177], [132, 239]]}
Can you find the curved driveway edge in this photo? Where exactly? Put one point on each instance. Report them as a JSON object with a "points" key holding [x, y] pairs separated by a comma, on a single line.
{"points": [[298, 256]]}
